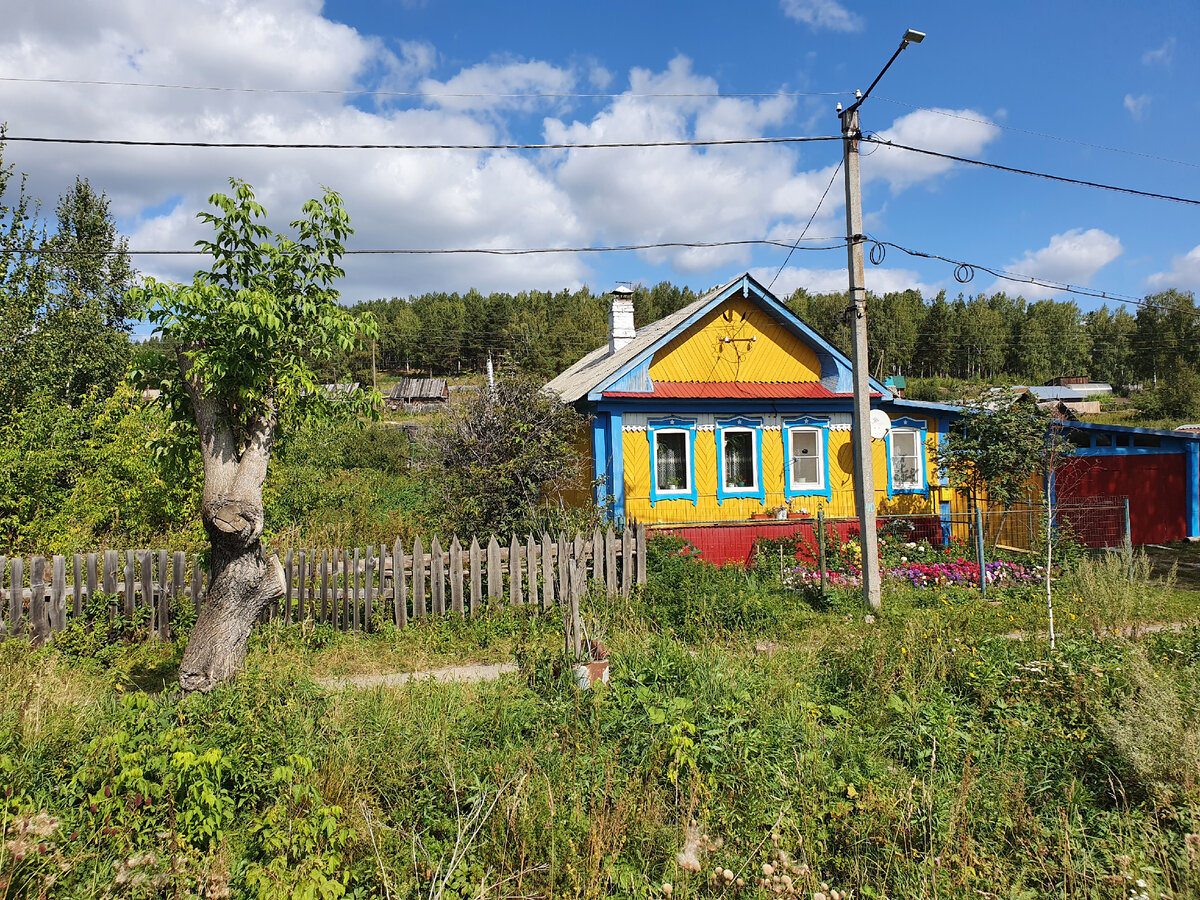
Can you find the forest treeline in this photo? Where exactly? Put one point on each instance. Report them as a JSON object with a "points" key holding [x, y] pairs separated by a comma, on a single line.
{"points": [[978, 337]]}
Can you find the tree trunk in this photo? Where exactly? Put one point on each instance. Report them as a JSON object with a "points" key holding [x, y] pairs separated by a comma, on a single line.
{"points": [[243, 579], [243, 582]]}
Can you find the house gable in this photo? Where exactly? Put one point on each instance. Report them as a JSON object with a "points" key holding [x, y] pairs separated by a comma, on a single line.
{"points": [[739, 340], [695, 349]]}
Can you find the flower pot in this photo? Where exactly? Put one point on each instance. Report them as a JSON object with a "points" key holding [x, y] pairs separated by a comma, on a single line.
{"points": [[762, 516], [587, 674]]}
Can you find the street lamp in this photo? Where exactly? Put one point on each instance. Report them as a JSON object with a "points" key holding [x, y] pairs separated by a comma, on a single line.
{"points": [[864, 475]]}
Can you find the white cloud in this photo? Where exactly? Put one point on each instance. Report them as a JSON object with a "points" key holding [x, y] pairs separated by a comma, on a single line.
{"points": [[828, 281], [684, 193], [960, 132], [426, 199], [1072, 257], [1137, 106], [599, 77], [395, 199], [1184, 274], [509, 84], [1161, 56], [822, 14]]}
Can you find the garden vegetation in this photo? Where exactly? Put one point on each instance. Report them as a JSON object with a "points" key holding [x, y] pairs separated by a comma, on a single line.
{"points": [[755, 741]]}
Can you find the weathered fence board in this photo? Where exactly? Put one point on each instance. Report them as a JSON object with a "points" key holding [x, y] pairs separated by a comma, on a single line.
{"points": [[515, 595], [456, 577], [476, 563], [346, 588], [495, 583], [418, 567]]}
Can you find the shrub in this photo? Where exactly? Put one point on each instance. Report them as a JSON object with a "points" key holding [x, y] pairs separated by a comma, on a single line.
{"points": [[1117, 588], [697, 599], [1157, 740]]}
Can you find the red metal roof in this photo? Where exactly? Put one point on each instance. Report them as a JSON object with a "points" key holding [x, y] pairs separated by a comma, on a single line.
{"points": [[783, 390]]}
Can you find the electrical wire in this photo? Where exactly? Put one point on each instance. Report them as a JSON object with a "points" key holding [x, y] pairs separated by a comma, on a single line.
{"points": [[249, 145], [1031, 172], [456, 251], [367, 92], [1040, 134], [783, 265]]}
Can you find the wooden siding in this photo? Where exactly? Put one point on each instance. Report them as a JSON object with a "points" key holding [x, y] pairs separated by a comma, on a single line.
{"points": [[841, 502], [701, 354]]}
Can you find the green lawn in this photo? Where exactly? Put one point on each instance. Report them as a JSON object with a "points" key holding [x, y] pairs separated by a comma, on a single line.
{"points": [[745, 729]]}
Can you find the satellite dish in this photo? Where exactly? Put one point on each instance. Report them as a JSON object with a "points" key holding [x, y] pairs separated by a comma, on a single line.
{"points": [[880, 424]]}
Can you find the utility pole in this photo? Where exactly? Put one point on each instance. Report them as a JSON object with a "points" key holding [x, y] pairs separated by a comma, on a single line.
{"points": [[864, 472]]}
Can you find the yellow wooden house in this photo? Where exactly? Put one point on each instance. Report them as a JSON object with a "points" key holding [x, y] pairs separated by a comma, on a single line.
{"points": [[732, 408]]}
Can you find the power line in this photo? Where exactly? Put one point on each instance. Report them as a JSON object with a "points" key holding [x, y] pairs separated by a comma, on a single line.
{"points": [[783, 265], [1031, 172], [456, 251], [967, 271], [249, 145], [1040, 134], [368, 92]]}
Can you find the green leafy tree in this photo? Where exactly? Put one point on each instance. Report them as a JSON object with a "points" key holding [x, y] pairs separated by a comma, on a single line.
{"points": [[1052, 342], [1176, 397], [1110, 335], [502, 458], [22, 289], [64, 316], [247, 334], [993, 453], [85, 345], [1167, 333], [893, 326]]}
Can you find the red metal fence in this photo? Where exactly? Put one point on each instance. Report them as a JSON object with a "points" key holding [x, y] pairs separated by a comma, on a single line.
{"points": [[1097, 523]]}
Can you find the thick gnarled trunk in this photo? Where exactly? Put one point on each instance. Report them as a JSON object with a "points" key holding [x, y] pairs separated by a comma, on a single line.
{"points": [[243, 579], [243, 582]]}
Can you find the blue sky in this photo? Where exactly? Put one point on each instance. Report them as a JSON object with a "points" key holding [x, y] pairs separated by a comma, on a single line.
{"points": [[1101, 91]]}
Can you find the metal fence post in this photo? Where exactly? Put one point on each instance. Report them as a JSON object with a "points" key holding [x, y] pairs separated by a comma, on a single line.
{"points": [[979, 551], [821, 546], [1128, 539]]}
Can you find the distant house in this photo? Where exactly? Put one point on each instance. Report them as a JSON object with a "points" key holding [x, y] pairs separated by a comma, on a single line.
{"points": [[1081, 384], [418, 394], [339, 390], [732, 408], [1054, 396]]}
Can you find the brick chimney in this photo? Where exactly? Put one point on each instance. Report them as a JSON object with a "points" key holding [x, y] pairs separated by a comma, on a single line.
{"points": [[620, 319]]}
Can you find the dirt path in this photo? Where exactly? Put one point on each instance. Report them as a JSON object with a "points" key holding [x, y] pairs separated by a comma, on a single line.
{"points": [[449, 674], [1131, 632]]}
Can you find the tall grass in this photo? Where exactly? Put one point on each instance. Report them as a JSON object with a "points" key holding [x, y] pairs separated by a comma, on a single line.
{"points": [[925, 755]]}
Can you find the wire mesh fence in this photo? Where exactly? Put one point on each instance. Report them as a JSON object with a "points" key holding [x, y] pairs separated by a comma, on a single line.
{"points": [[977, 537]]}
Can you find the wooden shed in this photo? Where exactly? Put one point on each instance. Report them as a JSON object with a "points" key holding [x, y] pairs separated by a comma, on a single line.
{"points": [[418, 394]]}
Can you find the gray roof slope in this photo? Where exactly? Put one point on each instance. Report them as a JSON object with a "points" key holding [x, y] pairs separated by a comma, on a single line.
{"points": [[575, 383], [419, 389], [1053, 392]]}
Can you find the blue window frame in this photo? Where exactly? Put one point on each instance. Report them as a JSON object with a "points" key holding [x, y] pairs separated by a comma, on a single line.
{"points": [[906, 457], [806, 457], [739, 459], [672, 459]]}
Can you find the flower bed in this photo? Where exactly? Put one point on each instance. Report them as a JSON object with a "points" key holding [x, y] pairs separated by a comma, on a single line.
{"points": [[928, 567]]}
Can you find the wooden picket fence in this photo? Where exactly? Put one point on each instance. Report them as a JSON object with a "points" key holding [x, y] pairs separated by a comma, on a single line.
{"points": [[351, 590]]}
